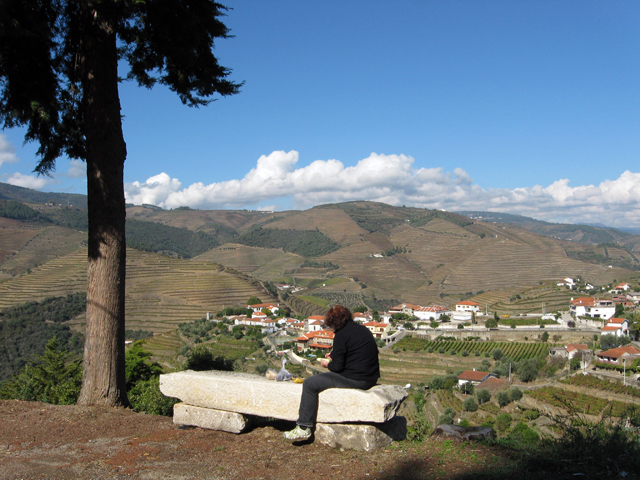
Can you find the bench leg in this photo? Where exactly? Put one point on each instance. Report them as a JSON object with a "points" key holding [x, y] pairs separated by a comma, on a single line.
{"points": [[184, 414]]}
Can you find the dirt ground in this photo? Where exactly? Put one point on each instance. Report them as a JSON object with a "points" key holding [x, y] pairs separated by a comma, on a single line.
{"points": [[41, 441]]}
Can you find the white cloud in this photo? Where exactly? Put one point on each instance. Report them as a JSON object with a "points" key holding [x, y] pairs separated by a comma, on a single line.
{"points": [[27, 181], [392, 179], [77, 169], [7, 151]]}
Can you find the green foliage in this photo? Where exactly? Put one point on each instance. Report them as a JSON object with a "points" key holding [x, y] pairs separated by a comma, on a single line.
{"points": [[202, 358], [314, 264], [483, 395], [50, 378], [527, 369], [503, 421], [307, 243], [497, 354], [609, 341], [26, 329], [421, 428], [254, 301], [145, 396], [470, 404], [447, 416], [545, 336], [523, 437], [503, 398], [530, 414], [20, 211], [467, 388], [199, 329], [135, 335], [156, 237], [138, 366], [515, 394]]}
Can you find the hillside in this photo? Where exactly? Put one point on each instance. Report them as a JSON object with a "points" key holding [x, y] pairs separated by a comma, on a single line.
{"points": [[379, 254]]}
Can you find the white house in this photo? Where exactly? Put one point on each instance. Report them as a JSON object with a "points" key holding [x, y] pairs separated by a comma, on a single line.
{"points": [[314, 323], [467, 306], [378, 329], [473, 377], [272, 307], [566, 282], [591, 307], [432, 312], [616, 326]]}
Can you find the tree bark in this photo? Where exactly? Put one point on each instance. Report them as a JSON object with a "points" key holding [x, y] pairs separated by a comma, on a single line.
{"points": [[103, 378]]}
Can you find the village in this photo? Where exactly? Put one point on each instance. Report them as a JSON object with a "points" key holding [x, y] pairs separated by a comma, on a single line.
{"points": [[585, 317]]}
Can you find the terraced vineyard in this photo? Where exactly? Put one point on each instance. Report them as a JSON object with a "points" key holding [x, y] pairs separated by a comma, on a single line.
{"points": [[514, 350], [581, 402], [161, 291]]}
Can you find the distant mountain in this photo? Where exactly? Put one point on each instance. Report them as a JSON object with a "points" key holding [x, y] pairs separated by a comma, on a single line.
{"points": [[588, 234], [21, 194]]}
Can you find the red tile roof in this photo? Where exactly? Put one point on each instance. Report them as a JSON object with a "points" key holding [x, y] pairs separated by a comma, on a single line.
{"points": [[472, 375], [576, 346], [618, 352]]}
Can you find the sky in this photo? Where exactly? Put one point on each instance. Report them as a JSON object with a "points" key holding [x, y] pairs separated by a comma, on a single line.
{"points": [[527, 107]]}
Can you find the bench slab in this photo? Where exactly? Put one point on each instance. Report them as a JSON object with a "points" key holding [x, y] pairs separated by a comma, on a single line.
{"points": [[255, 395]]}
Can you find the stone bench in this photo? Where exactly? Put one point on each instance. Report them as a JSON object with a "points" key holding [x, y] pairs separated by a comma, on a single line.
{"points": [[347, 418]]}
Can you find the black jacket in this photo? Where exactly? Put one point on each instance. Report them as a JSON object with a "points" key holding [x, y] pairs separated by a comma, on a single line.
{"points": [[355, 353]]}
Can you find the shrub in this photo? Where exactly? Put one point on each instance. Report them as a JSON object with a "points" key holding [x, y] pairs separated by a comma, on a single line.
{"points": [[470, 404], [465, 353], [50, 378], [452, 352], [421, 429], [467, 388], [202, 358], [430, 350], [476, 353], [515, 394], [145, 396], [464, 423], [483, 395], [527, 369], [488, 421], [503, 399], [503, 421], [523, 436], [441, 350], [447, 416], [497, 354], [530, 415], [437, 383]]}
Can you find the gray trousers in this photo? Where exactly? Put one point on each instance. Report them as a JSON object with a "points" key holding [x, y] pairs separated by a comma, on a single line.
{"points": [[315, 384]]}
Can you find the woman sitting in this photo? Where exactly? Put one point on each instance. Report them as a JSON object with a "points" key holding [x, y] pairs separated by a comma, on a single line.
{"points": [[353, 363]]}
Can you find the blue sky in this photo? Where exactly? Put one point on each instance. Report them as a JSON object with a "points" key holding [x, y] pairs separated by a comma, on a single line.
{"points": [[528, 107]]}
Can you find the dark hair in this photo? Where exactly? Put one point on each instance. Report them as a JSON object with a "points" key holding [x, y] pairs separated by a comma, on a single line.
{"points": [[337, 317]]}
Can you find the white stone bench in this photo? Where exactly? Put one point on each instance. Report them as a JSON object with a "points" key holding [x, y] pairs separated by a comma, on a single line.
{"points": [[347, 418]]}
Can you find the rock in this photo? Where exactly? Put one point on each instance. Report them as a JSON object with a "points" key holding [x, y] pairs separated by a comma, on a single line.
{"points": [[361, 437], [184, 414], [462, 433], [255, 395]]}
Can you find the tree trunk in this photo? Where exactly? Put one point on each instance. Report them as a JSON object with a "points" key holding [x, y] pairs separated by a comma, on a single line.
{"points": [[103, 377]]}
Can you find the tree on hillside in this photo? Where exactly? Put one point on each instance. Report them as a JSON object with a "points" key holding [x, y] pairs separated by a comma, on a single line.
{"points": [[59, 79]]}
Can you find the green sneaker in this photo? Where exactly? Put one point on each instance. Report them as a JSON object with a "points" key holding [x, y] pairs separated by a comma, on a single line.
{"points": [[298, 433]]}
